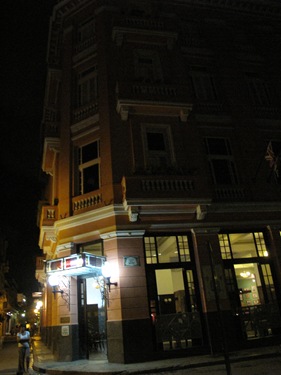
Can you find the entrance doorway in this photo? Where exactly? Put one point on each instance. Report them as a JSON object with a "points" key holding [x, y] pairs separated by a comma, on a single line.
{"points": [[174, 310], [250, 283], [92, 318]]}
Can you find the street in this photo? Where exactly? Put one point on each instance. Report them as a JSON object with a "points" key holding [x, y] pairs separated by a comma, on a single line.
{"points": [[267, 366], [9, 359]]}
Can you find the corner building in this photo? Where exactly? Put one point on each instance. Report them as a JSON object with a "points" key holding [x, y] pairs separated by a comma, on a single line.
{"points": [[161, 148]]}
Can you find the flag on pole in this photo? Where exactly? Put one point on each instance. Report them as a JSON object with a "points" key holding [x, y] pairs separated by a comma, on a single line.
{"points": [[273, 156]]}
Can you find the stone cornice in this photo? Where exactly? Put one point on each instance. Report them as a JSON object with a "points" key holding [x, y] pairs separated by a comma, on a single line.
{"points": [[66, 7], [262, 7]]}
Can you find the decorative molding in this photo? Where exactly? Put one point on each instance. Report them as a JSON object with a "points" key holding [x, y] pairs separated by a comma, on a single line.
{"points": [[123, 234]]}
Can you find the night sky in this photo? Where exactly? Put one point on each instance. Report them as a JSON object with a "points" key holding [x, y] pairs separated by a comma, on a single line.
{"points": [[24, 35]]}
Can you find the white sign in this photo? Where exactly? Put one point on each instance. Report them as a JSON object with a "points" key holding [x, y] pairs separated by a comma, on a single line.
{"points": [[65, 330]]}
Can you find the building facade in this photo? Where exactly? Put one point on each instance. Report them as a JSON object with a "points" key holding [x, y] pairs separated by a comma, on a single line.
{"points": [[161, 145]]}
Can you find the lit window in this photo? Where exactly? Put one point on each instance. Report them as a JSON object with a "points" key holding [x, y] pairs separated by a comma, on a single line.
{"points": [[170, 249], [242, 245]]}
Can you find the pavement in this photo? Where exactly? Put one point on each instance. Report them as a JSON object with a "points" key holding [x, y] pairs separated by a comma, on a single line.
{"points": [[44, 362]]}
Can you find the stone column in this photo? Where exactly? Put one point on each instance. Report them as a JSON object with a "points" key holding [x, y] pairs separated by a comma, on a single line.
{"points": [[129, 331], [214, 297], [273, 242]]}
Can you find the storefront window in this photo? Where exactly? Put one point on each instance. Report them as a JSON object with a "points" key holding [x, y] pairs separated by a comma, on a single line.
{"points": [[173, 292], [250, 283], [95, 248], [268, 281], [166, 249], [242, 245]]}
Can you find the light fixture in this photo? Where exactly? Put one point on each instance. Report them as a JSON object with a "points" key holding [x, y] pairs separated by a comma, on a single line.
{"points": [[54, 282], [245, 274], [107, 272]]}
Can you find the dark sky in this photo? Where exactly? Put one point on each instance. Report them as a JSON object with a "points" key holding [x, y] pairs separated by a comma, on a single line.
{"points": [[24, 35]]}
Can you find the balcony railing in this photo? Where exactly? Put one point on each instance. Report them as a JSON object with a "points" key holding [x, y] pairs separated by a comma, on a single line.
{"points": [[260, 320], [85, 44], [84, 112], [86, 201], [49, 215], [140, 22], [169, 185], [153, 91], [228, 192], [153, 98], [175, 331], [173, 186]]}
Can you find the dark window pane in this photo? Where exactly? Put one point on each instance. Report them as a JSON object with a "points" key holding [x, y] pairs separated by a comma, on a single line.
{"points": [[217, 146], [91, 178], [222, 172], [89, 152], [155, 142]]}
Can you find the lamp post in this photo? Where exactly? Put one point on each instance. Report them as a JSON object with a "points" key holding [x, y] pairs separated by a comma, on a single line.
{"points": [[216, 292]]}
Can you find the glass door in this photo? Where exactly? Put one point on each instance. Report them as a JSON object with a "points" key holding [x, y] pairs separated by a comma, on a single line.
{"points": [[174, 309], [92, 319]]}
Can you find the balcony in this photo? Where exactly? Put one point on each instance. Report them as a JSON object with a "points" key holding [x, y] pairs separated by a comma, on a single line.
{"points": [[81, 113], [140, 28], [230, 193], [87, 201], [49, 214], [153, 99], [51, 122], [164, 195]]}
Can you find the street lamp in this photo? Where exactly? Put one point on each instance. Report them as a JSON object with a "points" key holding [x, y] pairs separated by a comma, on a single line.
{"points": [[106, 271], [54, 282]]}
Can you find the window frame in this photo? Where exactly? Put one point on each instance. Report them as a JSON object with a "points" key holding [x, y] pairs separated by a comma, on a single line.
{"points": [[203, 84], [220, 157], [87, 86], [153, 159], [80, 167], [145, 72]]}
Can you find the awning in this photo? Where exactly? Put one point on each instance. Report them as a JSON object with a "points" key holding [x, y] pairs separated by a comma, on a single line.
{"points": [[75, 265]]}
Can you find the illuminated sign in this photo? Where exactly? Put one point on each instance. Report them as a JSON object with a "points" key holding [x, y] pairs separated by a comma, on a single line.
{"points": [[76, 264]]}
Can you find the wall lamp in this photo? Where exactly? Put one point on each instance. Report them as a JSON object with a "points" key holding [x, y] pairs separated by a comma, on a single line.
{"points": [[54, 282], [106, 271]]}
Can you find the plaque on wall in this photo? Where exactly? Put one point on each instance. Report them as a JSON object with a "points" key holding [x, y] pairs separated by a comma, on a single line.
{"points": [[64, 319], [131, 261]]}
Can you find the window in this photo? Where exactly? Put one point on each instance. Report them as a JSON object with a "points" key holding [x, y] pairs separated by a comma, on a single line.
{"points": [[88, 165], [242, 245], [203, 85], [166, 249], [95, 248], [87, 86], [86, 31], [157, 147], [221, 161], [147, 66], [259, 90]]}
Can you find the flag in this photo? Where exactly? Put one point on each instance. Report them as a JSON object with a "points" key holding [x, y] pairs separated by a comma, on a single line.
{"points": [[273, 156]]}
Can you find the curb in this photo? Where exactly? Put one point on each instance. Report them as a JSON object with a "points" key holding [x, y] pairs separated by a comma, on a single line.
{"points": [[158, 369]]}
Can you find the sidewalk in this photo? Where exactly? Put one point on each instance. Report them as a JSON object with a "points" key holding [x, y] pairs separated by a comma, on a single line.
{"points": [[43, 362]]}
